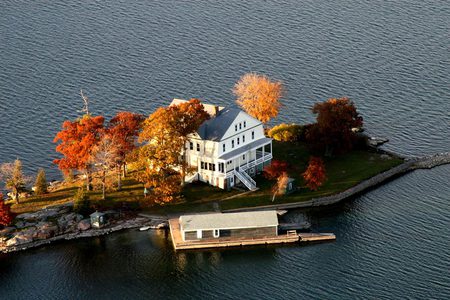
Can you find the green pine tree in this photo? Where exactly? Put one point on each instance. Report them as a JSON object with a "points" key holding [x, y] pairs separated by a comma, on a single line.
{"points": [[41, 183]]}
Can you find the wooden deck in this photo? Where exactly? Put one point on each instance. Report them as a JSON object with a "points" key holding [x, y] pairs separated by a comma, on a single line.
{"points": [[316, 237], [290, 237]]}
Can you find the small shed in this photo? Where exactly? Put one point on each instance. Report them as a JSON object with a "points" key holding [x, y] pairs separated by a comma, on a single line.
{"points": [[290, 186], [229, 225], [98, 219]]}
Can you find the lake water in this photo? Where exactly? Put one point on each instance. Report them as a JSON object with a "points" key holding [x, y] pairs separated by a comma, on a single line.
{"points": [[391, 57]]}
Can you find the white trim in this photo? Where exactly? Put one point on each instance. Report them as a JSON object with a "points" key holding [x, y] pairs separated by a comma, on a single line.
{"points": [[230, 228]]}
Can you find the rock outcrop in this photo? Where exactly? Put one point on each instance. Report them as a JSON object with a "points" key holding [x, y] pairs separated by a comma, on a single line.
{"points": [[59, 223]]}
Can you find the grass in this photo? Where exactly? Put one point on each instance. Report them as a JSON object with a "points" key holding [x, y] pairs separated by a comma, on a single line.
{"points": [[131, 194], [343, 172]]}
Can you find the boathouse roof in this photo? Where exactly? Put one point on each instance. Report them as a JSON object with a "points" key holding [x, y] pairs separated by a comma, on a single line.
{"points": [[253, 219]]}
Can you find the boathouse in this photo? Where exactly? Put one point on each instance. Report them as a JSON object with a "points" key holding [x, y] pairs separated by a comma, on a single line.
{"points": [[255, 224]]}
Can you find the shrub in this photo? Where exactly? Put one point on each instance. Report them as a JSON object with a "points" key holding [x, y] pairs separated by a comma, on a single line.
{"points": [[275, 169], [287, 132], [41, 183], [81, 202], [6, 216], [315, 174]]}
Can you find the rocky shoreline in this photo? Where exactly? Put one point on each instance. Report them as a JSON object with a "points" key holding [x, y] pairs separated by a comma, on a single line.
{"points": [[410, 164], [61, 223]]}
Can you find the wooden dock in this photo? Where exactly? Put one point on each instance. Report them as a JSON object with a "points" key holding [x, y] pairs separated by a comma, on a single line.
{"points": [[316, 237], [290, 237]]}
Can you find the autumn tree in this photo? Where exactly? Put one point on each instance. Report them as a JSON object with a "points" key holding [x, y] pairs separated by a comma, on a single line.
{"points": [[259, 96], [332, 133], [315, 174], [6, 216], [275, 169], [105, 157], [124, 127], [185, 119], [40, 183], [13, 177], [159, 155], [280, 186], [76, 141]]}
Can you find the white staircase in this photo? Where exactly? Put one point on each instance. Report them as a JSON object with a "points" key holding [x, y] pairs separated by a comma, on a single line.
{"points": [[189, 178], [246, 180]]}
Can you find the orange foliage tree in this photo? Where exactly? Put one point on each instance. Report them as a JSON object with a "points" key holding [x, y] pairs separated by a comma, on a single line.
{"points": [[124, 128], [185, 119], [259, 96], [158, 157], [164, 137], [76, 142], [315, 175], [333, 130], [6, 216], [280, 186], [275, 169]]}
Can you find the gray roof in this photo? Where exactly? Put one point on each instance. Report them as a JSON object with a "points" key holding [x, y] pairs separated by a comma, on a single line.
{"points": [[97, 214], [244, 148], [250, 219], [214, 128]]}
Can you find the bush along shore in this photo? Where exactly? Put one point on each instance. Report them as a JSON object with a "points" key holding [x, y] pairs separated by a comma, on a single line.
{"points": [[62, 223], [410, 164]]}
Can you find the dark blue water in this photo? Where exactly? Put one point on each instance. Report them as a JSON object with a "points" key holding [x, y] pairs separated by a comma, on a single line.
{"points": [[392, 58]]}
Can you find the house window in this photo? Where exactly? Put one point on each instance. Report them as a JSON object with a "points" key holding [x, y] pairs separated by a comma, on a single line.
{"points": [[243, 138], [253, 135], [216, 233], [202, 165], [232, 143], [243, 157], [198, 147], [223, 147], [240, 126], [235, 127], [214, 167], [238, 141], [191, 145], [245, 124]]}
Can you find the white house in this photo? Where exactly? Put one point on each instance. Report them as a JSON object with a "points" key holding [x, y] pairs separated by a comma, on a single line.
{"points": [[228, 148]]}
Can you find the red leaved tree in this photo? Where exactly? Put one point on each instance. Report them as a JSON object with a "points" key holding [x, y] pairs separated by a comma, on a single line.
{"points": [[76, 141], [275, 169], [333, 131], [6, 216], [124, 129], [315, 174]]}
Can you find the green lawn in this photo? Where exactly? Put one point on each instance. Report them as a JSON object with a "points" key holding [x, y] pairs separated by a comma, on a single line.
{"points": [[343, 172]]}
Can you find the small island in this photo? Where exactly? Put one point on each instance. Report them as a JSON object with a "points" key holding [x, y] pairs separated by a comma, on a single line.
{"points": [[192, 157]]}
